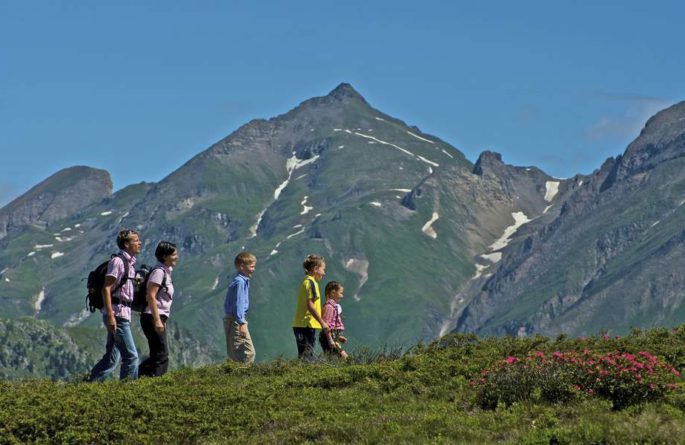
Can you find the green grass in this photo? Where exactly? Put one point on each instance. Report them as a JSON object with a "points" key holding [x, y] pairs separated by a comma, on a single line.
{"points": [[423, 396]]}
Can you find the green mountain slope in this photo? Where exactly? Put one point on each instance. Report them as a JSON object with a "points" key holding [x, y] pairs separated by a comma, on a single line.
{"points": [[399, 215]]}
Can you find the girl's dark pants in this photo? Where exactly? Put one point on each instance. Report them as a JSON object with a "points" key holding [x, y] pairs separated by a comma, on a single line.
{"points": [[158, 361], [325, 344], [305, 338]]}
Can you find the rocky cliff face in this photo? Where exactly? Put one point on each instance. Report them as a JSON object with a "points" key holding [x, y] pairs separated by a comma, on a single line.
{"points": [[56, 198], [606, 256]]}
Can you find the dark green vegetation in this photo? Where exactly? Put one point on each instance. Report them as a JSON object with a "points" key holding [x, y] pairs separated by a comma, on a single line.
{"points": [[32, 348], [423, 396]]}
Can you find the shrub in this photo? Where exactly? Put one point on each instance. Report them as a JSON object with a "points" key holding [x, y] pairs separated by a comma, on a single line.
{"points": [[624, 379]]}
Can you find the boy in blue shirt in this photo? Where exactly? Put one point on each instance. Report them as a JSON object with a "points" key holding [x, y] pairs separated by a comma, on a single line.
{"points": [[238, 341]]}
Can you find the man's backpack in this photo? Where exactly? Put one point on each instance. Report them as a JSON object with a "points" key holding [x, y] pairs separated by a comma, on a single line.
{"points": [[96, 281], [139, 303]]}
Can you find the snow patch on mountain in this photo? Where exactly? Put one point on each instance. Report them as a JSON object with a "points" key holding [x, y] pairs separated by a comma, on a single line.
{"points": [[480, 268], [360, 267], [292, 164], [551, 190], [56, 255], [420, 138], [299, 232], [280, 188], [493, 257], [38, 304], [427, 161], [78, 318], [520, 219], [255, 226], [275, 249], [306, 208], [428, 227]]}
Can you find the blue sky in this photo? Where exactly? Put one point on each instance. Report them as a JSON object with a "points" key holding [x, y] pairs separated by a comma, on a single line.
{"points": [[139, 87]]}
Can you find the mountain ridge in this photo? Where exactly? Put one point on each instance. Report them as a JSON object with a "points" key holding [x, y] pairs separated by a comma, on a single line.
{"points": [[68, 190], [603, 207], [424, 240]]}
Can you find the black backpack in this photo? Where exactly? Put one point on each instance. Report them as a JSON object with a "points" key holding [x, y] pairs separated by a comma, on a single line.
{"points": [[96, 281], [139, 303]]}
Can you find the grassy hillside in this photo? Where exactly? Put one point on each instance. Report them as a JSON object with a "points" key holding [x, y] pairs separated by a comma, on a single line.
{"points": [[429, 395]]}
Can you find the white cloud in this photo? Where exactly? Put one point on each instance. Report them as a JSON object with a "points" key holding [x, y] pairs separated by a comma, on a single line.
{"points": [[628, 120]]}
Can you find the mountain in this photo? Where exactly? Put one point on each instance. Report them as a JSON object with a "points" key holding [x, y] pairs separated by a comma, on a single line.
{"points": [[424, 240], [607, 255], [59, 196]]}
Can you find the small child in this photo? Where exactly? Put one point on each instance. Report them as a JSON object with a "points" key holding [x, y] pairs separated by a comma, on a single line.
{"points": [[238, 340], [332, 314], [307, 316]]}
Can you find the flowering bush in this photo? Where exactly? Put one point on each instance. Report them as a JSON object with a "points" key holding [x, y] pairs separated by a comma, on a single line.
{"points": [[623, 378]]}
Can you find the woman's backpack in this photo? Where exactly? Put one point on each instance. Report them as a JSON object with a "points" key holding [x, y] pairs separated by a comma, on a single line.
{"points": [[139, 303]]}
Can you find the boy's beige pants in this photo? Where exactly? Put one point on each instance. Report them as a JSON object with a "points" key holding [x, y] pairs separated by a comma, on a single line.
{"points": [[240, 349]]}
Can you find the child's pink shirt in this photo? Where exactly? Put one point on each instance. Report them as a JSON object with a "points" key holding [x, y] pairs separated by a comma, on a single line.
{"points": [[332, 315]]}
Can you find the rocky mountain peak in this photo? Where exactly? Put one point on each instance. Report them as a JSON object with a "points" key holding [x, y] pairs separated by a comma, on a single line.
{"points": [[62, 194], [346, 91], [664, 126], [661, 140], [489, 162]]}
